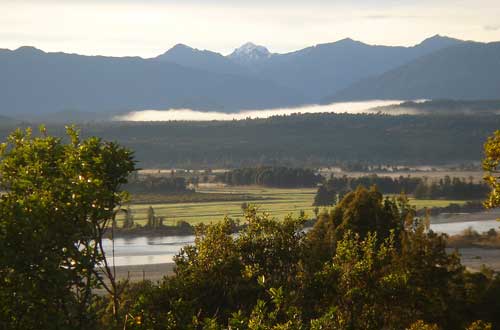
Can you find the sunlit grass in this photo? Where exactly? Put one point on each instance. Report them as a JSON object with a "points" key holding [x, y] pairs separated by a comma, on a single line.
{"points": [[421, 203], [281, 203]]}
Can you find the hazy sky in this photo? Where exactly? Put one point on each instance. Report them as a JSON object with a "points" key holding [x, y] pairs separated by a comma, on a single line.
{"points": [[147, 28]]}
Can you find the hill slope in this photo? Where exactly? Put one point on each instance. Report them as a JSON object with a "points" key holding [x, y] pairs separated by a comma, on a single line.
{"points": [[465, 71], [201, 59], [36, 82], [324, 69]]}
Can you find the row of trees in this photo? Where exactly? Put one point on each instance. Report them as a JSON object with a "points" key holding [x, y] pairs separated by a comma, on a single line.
{"points": [[154, 221], [157, 185], [282, 177], [451, 188], [447, 188]]}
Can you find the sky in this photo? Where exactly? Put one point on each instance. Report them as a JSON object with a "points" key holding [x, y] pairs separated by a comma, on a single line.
{"points": [[150, 27]]}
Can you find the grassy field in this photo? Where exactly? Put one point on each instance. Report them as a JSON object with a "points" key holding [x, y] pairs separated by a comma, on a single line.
{"points": [[278, 202], [281, 203], [421, 203]]}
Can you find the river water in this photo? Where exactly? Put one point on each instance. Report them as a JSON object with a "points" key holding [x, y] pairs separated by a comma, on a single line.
{"points": [[157, 250], [146, 250]]}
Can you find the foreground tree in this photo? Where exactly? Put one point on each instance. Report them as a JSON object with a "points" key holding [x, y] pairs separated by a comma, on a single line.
{"points": [[58, 200], [361, 211], [491, 164]]}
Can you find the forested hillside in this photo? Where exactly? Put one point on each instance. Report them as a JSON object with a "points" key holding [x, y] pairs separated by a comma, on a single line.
{"points": [[300, 140]]}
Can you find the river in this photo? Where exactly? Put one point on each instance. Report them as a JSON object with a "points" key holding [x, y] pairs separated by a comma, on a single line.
{"points": [[159, 250]]}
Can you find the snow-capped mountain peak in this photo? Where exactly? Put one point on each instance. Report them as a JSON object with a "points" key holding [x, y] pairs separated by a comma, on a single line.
{"points": [[250, 53]]}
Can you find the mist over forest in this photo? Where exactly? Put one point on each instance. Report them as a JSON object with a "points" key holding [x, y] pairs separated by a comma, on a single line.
{"points": [[316, 139]]}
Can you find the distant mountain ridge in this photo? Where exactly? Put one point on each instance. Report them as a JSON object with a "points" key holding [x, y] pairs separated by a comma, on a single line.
{"points": [[201, 59], [467, 71], [319, 70], [251, 77], [32, 81]]}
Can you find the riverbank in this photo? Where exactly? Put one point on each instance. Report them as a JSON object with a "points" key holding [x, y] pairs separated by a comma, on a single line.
{"points": [[152, 272], [472, 258], [467, 217], [475, 258]]}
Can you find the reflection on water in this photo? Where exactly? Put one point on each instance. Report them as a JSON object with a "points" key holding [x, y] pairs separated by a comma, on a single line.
{"points": [[156, 250], [453, 228], [146, 250]]}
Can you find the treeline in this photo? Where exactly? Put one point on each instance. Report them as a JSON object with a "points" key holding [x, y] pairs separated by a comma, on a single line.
{"points": [[421, 188], [281, 177], [157, 185], [468, 207], [155, 226], [307, 140], [451, 188]]}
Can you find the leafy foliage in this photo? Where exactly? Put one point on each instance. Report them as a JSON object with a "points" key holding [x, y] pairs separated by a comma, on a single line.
{"points": [[370, 264], [58, 200], [491, 165]]}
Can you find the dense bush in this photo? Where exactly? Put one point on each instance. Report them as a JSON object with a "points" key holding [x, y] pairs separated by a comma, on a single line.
{"points": [[370, 264], [58, 200]]}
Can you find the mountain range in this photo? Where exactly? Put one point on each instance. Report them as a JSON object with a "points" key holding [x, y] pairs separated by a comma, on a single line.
{"points": [[468, 71], [251, 77]]}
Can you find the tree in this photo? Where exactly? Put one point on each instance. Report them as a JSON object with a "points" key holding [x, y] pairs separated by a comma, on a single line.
{"points": [[59, 199], [223, 273], [129, 218], [491, 164], [324, 196], [361, 211], [268, 277], [369, 291], [151, 218], [479, 325], [421, 325]]}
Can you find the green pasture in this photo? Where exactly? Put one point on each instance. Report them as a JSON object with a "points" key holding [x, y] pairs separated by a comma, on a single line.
{"points": [[421, 203], [278, 202], [281, 202]]}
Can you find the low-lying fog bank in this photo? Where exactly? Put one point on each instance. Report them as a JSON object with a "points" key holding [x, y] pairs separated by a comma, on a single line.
{"points": [[193, 115]]}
